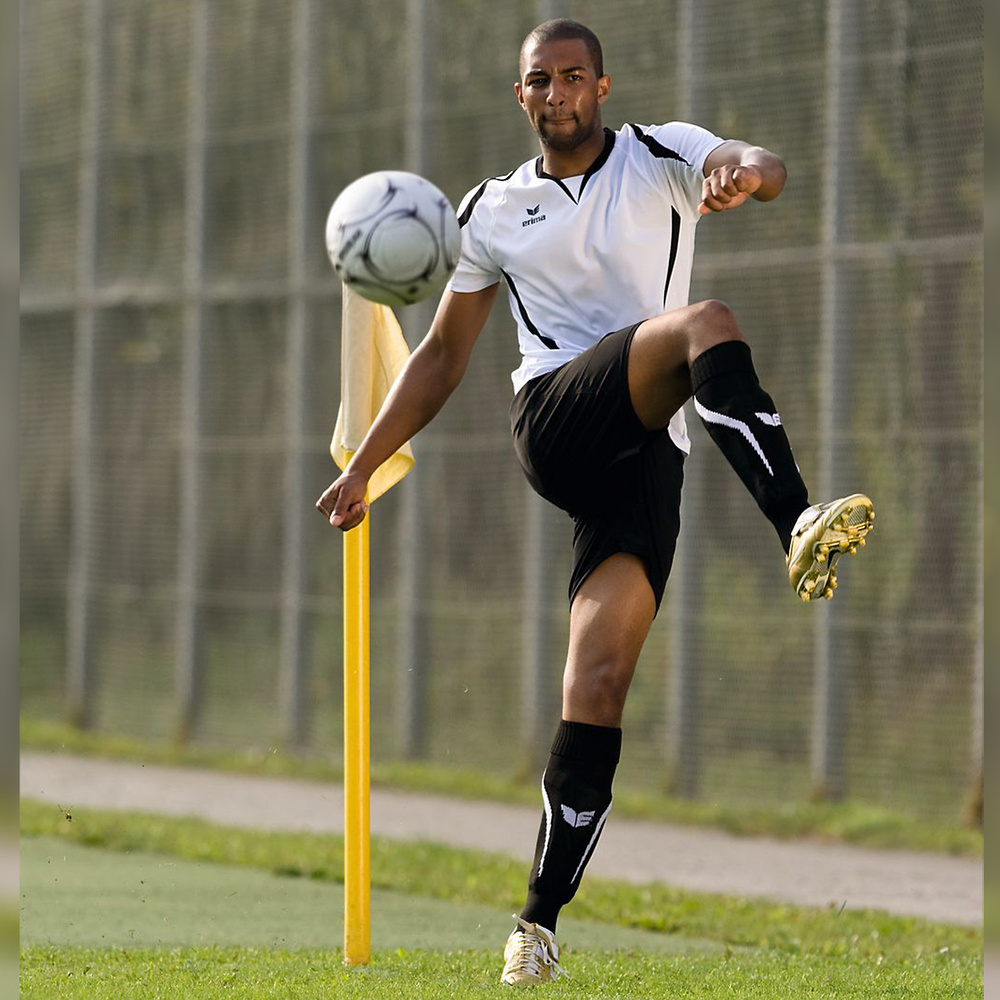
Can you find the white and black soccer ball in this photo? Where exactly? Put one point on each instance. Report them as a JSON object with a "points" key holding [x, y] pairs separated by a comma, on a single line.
{"points": [[393, 237]]}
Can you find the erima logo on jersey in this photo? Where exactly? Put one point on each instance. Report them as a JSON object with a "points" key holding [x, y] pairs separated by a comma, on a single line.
{"points": [[771, 419], [576, 819], [533, 216]]}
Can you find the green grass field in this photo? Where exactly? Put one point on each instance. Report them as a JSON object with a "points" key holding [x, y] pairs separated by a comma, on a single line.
{"points": [[250, 974], [92, 898], [134, 906]]}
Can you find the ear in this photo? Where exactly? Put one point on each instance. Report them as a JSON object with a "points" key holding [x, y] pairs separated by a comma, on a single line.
{"points": [[603, 88], [520, 96]]}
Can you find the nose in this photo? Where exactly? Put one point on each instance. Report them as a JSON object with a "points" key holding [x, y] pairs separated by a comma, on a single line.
{"points": [[554, 96]]}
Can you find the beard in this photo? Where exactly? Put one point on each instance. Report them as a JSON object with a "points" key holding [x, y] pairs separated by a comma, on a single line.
{"points": [[561, 138]]}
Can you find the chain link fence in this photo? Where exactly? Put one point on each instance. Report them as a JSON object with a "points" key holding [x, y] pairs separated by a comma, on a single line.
{"points": [[180, 366]]}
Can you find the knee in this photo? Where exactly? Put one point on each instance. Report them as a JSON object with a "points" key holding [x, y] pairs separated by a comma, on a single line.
{"points": [[600, 686], [712, 323], [714, 316]]}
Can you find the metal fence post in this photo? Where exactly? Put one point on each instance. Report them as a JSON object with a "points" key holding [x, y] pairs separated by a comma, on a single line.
{"points": [[9, 536], [292, 677], [412, 656], [830, 704], [13, 41], [80, 626], [987, 413], [978, 746], [540, 676], [188, 628], [684, 589], [979, 653]]}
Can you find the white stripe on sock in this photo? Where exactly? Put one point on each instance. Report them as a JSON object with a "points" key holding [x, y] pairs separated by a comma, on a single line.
{"points": [[711, 417], [593, 840], [548, 824]]}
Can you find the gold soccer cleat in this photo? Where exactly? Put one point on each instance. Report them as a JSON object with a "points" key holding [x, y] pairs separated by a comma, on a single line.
{"points": [[530, 956], [822, 534]]}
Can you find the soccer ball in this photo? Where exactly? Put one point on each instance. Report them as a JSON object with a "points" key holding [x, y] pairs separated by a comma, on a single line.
{"points": [[393, 237]]}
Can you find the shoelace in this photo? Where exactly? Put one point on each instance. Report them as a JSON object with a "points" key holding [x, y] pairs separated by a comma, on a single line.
{"points": [[531, 953]]}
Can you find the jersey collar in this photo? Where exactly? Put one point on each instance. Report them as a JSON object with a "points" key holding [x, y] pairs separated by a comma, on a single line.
{"points": [[602, 158]]}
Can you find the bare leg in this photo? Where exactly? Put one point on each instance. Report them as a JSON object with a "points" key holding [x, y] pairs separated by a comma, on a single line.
{"points": [[699, 350], [609, 622]]}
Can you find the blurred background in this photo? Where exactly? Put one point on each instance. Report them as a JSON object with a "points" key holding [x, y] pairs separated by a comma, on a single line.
{"points": [[8, 499], [179, 383]]}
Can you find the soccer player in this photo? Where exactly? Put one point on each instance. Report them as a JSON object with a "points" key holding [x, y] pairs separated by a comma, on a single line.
{"points": [[594, 241]]}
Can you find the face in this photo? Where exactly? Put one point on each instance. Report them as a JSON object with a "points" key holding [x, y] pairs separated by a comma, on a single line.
{"points": [[561, 92]]}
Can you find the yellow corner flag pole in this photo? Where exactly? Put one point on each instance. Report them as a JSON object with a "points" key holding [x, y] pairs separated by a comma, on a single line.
{"points": [[373, 353], [357, 726]]}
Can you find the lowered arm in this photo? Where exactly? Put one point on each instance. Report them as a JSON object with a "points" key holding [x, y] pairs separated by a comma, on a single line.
{"points": [[428, 379]]}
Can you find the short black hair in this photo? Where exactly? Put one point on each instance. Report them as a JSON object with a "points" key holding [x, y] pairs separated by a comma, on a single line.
{"points": [[563, 27]]}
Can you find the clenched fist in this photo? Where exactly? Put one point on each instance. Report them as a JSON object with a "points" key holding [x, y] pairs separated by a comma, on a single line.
{"points": [[343, 502], [728, 187]]}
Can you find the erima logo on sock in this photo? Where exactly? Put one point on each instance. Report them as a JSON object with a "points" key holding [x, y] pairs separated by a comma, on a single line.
{"points": [[577, 819], [771, 419], [533, 216]]}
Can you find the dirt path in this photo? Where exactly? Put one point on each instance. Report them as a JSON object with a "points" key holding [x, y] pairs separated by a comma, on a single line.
{"points": [[904, 882]]}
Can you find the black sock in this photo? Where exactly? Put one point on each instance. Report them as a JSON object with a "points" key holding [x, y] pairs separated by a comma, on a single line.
{"points": [[576, 787], [744, 422]]}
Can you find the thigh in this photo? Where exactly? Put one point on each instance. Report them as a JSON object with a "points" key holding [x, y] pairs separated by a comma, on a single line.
{"points": [[659, 376], [641, 516]]}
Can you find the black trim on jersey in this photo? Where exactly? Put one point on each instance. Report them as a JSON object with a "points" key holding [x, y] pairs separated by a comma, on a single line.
{"points": [[675, 232], [602, 158], [658, 150], [547, 341], [463, 219], [541, 173], [609, 144]]}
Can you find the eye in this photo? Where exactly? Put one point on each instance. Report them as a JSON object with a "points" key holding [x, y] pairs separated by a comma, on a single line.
{"points": [[574, 77]]}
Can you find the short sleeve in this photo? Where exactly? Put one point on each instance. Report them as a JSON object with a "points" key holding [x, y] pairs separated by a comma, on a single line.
{"points": [[692, 142], [476, 269], [679, 151]]}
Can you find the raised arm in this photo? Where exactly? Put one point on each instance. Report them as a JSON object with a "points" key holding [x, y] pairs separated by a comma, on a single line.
{"points": [[430, 376], [736, 171]]}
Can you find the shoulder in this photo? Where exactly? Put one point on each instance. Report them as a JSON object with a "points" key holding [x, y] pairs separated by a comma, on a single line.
{"points": [[678, 141], [648, 140], [483, 199]]}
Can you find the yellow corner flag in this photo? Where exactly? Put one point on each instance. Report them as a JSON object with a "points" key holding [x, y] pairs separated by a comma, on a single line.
{"points": [[373, 353]]}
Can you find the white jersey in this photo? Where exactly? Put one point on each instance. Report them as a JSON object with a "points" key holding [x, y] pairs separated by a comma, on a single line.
{"points": [[586, 255]]}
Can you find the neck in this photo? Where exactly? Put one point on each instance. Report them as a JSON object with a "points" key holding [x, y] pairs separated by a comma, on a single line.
{"points": [[569, 163]]}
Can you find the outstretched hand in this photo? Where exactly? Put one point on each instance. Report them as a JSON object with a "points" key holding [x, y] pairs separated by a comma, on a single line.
{"points": [[727, 187], [343, 502]]}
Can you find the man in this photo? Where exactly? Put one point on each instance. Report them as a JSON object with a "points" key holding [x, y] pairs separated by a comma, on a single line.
{"points": [[597, 235]]}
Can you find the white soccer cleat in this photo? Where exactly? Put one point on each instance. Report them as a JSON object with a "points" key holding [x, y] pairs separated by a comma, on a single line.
{"points": [[531, 956], [821, 535]]}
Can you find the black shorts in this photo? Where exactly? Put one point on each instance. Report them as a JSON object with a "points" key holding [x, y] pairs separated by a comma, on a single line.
{"points": [[583, 449]]}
